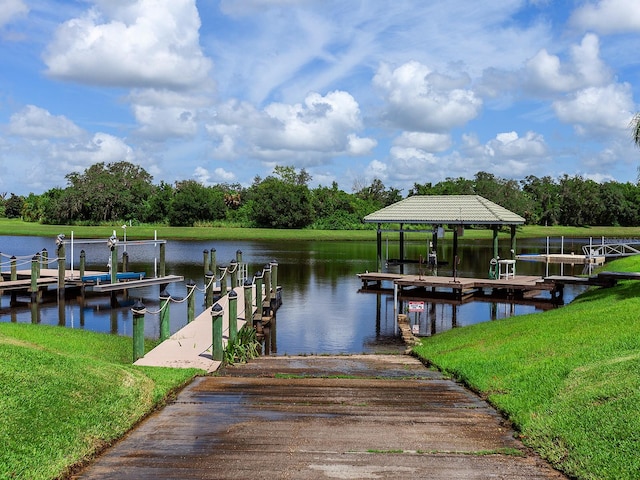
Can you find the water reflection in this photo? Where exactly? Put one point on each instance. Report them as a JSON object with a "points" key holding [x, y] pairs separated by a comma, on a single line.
{"points": [[323, 310]]}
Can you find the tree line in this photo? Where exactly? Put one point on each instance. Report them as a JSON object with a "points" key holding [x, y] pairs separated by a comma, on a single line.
{"points": [[121, 191]]}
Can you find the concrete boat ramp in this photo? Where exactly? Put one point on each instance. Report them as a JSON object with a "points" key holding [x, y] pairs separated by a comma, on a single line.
{"points": [[322, 417]]}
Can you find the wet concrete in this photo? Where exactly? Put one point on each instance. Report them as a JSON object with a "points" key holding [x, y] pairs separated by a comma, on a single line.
{"points": [[322, 417]]}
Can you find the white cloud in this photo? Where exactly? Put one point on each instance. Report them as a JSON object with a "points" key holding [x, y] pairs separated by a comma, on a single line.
{"points": [[35, 122], [10, 9], [598, 111], [321, 126], [509, 145], [141, 43], [608, 16], [546, 72], [430, 142], [421, 100]]}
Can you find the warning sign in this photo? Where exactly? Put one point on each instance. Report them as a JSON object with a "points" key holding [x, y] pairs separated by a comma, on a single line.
{"points": [[416, 306]]}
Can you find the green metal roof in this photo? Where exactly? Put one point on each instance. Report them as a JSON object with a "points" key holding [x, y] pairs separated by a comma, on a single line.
{"points": [[445, 210]]}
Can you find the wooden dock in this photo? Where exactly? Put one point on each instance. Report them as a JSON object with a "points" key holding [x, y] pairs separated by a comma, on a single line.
{"points": [[565, 258], [516, 287]]}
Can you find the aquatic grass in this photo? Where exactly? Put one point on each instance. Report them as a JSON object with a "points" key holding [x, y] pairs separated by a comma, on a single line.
{"points": [[68, 393], [568, 378]]}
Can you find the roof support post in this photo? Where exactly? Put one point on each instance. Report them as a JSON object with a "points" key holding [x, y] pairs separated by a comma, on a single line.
{"points": [[513, 242], [401, 248], [455, 250], [379, 250], [495, 241]]}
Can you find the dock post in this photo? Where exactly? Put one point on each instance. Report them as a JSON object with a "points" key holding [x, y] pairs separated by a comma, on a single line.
{"points": [[83, 262], [165, 330], [216, 327], [258, 276], [34, 279], [44, 256], [208, 297], [241, 274], [213, 265], [61, 266], [495, 241], [191, 302], [233, 268], [138, 330], [248, 302], [114, 263], [163, 250], [223, 280], [125, 262], [14, 268], [205, 261], [233, 316], [267, 284], [274, 283]]}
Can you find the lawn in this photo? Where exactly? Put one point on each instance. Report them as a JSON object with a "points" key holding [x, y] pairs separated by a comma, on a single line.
{"points": [[66, 394], [569, 379]]}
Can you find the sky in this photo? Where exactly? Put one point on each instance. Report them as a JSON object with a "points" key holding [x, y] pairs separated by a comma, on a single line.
{"points": [[405, 91]]}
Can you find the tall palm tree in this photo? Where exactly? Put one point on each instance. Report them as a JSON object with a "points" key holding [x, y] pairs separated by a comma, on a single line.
{"points": [[635, 128]]}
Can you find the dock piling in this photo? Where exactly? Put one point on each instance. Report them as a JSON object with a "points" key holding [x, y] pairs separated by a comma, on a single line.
{"points": [[233, 316], [205, 261], [233, 269], [208, 297], [165, 330], [34, 279], [61, 269], [191, 302], [216, 327], [138, 330], [213, 265], [248, 302]]}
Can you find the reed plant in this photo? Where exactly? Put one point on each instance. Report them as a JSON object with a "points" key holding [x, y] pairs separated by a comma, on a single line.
{"points": [[568, 379]]}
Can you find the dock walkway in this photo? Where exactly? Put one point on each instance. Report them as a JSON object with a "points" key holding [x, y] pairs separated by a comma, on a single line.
{"points": [[190, 347]]}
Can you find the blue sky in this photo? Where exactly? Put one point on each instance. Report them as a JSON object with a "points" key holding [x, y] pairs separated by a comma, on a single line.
{"points": [[404, 91]]}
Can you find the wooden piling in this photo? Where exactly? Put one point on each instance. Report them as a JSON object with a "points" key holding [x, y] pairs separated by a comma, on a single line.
{"points": [[233, 269], [165, 329], [213, 267], [216, 328], [259, 295], [267, 284], [114, 264], [248, 302], [138, 330], [208, 282], [14, 268], [205, 261], [274, 281], [61, 269], [163, 250], [233, 316], [44, 256], [191, 301], [83, 262], [34, 279]]}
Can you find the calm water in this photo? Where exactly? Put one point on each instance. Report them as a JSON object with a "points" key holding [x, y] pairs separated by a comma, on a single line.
{"points": [[323, 309]]}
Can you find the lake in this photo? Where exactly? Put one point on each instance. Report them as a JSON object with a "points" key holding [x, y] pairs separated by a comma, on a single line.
{"points": [[323, 310]]}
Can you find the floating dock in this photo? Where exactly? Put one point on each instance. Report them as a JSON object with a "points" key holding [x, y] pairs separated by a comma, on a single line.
{"points": [[566, 258]]}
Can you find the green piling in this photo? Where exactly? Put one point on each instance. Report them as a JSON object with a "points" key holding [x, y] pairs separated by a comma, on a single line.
{"points": [[163, 249], [45, 258], [233, 269], [213, 266], [205, 261], [165, 330], [248, 302], [138, 330], [233, 316], [208, 283], [191, 301], [216, 328]]}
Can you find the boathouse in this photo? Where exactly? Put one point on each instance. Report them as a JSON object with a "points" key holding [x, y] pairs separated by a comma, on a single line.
{"points": [[440, 211]]}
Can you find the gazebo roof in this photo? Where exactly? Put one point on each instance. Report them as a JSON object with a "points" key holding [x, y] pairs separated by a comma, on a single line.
{"points": [[446, 210]]}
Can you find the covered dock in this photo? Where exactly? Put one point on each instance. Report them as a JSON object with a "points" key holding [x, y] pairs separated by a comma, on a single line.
{"points": [[438, 211]]}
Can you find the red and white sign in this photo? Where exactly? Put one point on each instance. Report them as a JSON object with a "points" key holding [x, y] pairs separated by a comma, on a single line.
{"points": [[416, 306]]}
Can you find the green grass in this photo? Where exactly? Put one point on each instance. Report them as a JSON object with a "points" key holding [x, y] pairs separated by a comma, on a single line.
{"points": [[68, 393], [18, 227], [569, 379]]}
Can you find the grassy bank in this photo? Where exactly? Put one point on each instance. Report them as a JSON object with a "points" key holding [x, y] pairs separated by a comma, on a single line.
{"points": [[67, 393], [18, 227], [569, 378]]}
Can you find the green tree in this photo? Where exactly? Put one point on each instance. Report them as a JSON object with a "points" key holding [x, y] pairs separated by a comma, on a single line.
{"points": [[193, 202], [13, 206], [378, 193], [107, 192], [283, 202]]}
